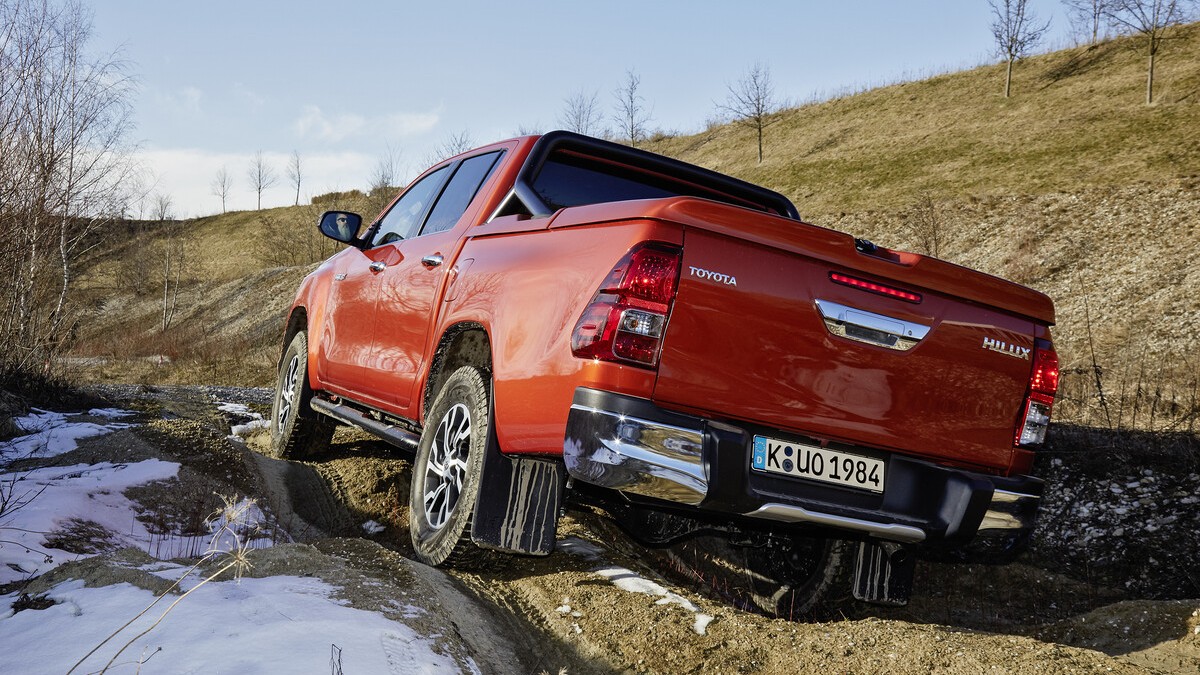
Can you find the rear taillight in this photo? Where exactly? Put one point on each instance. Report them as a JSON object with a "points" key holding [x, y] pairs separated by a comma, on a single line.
{"points": [[1043, 385], [626, 318]]}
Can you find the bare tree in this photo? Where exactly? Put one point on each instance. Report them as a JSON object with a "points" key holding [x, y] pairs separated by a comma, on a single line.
{"points": [[293, 172], [581, 114], [65, 170], [1088, 16], [1017, 32], [631, 116], [172, 257], [162, 208], [452, 145], [751, 102], [261, 175], [1152, 19], [221, 186], [384, 179]]}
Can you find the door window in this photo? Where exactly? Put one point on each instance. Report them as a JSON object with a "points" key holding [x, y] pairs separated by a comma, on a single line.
{"points": [[460, 191], [403, 219]]}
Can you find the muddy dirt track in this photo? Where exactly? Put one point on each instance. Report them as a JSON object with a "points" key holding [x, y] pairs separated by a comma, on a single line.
{"points": [[603, 604]]}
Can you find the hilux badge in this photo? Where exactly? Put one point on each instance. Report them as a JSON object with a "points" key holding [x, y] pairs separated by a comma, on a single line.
{"points": [[713, 276], [1006, 349]]}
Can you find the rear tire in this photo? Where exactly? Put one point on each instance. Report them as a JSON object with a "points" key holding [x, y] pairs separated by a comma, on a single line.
{"points": [[297, 431], [797, 578], [448, 470]]}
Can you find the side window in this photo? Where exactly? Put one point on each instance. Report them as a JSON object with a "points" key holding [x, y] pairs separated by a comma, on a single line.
{"points": [[460, 191], [403, 219]]}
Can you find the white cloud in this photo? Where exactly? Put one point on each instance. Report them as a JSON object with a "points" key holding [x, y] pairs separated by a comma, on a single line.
{"points": [[410, 124], [316, 124], [186, 175], [249, 97], [184, 101], [313, 123]]}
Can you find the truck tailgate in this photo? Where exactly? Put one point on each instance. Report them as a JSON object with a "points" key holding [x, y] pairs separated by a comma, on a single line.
{"points": [[763, 333]]}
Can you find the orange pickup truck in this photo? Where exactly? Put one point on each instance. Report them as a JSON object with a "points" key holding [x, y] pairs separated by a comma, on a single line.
{"points": [[557, 316]]}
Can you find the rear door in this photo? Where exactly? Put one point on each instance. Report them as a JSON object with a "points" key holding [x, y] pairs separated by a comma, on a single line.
{"points": [[819, 348]]}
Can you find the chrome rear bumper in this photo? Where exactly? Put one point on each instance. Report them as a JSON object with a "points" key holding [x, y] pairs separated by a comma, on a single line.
{"points": [[639, 456], [634, 447]]}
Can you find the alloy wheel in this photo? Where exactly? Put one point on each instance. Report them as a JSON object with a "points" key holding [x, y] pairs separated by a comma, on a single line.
{"points": [[447, 467]]}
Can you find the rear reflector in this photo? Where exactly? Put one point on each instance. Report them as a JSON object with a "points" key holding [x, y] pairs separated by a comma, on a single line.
{"points": [[872, 287], [625, 320]]}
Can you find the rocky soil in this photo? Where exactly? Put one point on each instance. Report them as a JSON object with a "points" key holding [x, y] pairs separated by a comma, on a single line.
{"points": [[1110, 584]]}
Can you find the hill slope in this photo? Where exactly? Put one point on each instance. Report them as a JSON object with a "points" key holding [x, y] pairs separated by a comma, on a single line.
{"points": [[1076, 119]]}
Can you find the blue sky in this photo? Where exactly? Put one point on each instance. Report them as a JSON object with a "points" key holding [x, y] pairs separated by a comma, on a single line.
{"points": [[341, 83]]}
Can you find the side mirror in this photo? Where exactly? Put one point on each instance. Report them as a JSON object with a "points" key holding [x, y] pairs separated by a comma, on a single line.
{"points": [[341, 226]]}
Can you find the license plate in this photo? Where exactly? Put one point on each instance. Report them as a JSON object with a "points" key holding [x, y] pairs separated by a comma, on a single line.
{"points": [[808, 461]]}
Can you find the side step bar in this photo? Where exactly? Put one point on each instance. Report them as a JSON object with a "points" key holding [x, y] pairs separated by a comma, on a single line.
{"points": [[401, 438]]}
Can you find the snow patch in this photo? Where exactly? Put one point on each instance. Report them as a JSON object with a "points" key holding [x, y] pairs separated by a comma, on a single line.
{"points": [[372, 527], [46, 500], [52, 433], [246, 420], [278, 624], [632, 582], [243, 430]]}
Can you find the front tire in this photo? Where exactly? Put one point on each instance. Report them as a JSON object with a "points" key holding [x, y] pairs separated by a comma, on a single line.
{"points": [[447, 472], [297, 431]]}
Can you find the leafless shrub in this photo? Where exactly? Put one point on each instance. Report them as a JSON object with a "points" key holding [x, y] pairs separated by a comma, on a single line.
{"points": [[294, 174], [925, 223], [1136, 394], [384, 181], [293, 238]]}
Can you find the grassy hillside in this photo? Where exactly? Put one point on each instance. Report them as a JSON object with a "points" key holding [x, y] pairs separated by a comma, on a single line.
{"points": [[1077, 118], [1073, 186]]}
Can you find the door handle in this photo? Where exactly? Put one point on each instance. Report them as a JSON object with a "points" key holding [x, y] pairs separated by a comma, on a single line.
{"points": [[377, 267], [432, 260]]}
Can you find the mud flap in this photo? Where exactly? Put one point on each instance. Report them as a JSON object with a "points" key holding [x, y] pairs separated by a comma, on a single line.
{"points": [[883, 573], [517, 508]]}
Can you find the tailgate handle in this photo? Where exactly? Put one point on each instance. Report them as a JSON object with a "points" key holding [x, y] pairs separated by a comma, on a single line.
{"points": [[876, 329]]}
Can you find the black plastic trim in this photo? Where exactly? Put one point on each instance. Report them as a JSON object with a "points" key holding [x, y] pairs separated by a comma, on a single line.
{"points": [[718, 182]]}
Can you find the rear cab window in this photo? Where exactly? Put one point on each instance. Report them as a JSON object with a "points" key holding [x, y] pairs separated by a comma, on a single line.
{"points": [[574, 177]]}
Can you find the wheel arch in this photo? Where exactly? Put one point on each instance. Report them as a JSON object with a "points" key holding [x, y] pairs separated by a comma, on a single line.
{"points": [[296, 322], [466, 343]]}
